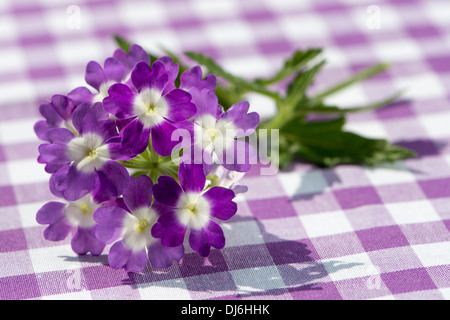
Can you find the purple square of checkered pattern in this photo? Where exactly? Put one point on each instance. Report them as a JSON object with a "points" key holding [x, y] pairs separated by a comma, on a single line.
{"points": [[408, 280], [7, 197], [20, 287], [382, 238], [436, 188], [12, 240], [39, 59], [263, 208], [357, 197], [322, 291]]}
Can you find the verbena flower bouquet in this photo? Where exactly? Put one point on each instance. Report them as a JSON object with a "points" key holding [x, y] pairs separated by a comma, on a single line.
{"points": [[148, 160], [124, 179]]}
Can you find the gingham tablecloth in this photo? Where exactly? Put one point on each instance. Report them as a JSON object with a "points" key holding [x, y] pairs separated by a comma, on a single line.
{"points": [[306, 233]]}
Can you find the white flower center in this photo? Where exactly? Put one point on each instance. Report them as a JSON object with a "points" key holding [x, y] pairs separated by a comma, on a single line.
{"points": [[69, 126], [88, 152], [137, 228], [150, 107], [80, 212], [193, 210], [102, 92], [213, 134]]}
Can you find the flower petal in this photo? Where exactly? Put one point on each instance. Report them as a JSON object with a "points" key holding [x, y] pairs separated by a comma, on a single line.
{"points": [[170, 230], [221, 201], [167, 191], [162, 138], [136, 54], [94, 75], [202, 240], [196, 155], [49, 113], [53, 168], [117, 174], [110, 222], [138, 194], [84, 241], [118, 255], [192, 78], [199, 242], [73, 184], [118, 152], [81, 95], [120, 101], [108, 234], [214, 234], [113, 70], [63, 105], [180, 106], [52, 184], [87, 118], [53, 153], [41, 128], [205, 101], [246, 122], [135, 137], [192, 177], [140, 76], [50, 212], [172, 70], [104, 189], [111, 216], [59, 136], [185, 130], [239, 156], [162, 257], [136, 261], [159, 77], [58, 231]]}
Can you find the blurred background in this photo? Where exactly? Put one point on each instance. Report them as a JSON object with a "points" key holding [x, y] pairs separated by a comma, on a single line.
{"points": [[45, 45]]}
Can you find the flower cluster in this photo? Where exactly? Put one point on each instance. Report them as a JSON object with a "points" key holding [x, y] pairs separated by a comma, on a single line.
{"points": [[142, 164]]}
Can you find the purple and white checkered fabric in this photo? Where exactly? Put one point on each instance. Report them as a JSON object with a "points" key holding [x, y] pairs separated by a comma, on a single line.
{"points": [[305, 233]]}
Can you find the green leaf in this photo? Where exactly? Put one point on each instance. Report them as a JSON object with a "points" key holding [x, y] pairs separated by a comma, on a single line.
{"points": [[297, 88], [228, 96], [326, 144], [292, 65], [239, 82], [122, 43], [360, 76], [322, 108], [313, 127]]}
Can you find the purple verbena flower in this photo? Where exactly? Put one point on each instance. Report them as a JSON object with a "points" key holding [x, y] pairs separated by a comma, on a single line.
{"points": [[57, 113], [73, 217], [153, 107], [193, 78], [216, 134], [129, 226], [116, 69], [189, 207], [82, 163], [135, 54]]}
